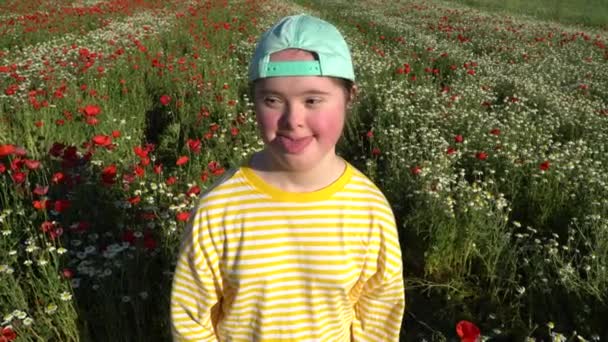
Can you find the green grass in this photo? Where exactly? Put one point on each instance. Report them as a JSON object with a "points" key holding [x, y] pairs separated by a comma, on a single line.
{"points": [[583, 12]]}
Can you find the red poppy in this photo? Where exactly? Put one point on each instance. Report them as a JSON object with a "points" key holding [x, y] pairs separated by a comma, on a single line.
{"points": [[139, 171], [108, 174], [56, 149], [376, 151], [2, 168], [32, 164], [194, 145], [47, 226], [544, 166], [140, 152], [134, 200], [415, 170], [165, 100], [102, 140], [181, 160], [58, 177], [116, 134], [171, 180], [67, 273], [128, 178], [92, 121], [495, 131], [481, 155], [158, 168], [91, 110], [467, 331], [458, 138], [8, 334], [450, 151], [41, 205], [62, 205], [40, 190], [194, 190], [182, 216], [19, 177], [6, 150]]}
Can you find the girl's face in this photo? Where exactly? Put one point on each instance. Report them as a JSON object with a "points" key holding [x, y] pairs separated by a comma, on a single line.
{"points": [[300, 119]]}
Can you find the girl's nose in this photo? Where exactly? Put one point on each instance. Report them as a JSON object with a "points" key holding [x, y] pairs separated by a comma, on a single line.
{"points": [[293, 116]]}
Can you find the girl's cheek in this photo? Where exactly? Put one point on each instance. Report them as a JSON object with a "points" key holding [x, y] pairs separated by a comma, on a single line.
{"points": [[267, 122], [330, 124]]}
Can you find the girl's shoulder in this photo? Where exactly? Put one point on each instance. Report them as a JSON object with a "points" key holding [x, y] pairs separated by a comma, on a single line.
{"points": [[228, 179]]}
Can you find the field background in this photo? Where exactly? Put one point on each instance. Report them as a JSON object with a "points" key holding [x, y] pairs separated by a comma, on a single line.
{"points": [[484, 122]]}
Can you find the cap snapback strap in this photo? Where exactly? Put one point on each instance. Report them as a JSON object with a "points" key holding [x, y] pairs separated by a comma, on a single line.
{"points": [[293, 68]]}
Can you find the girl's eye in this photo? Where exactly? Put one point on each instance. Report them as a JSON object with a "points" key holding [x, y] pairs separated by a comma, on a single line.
{"points": [[313, 101], [270, 101]]}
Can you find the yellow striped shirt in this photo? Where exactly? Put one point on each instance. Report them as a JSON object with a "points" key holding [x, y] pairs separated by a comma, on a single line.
{"points": [[262, 264]]}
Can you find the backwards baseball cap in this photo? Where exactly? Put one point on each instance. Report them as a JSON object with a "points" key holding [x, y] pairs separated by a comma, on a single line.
{"points": [[307, 33]]}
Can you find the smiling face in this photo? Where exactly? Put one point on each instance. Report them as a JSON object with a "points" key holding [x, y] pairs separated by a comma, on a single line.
{"points": [[300, 118]]}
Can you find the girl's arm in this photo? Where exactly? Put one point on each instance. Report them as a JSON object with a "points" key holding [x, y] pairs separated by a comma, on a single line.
{"points": [[196, 291], [380, 307]]}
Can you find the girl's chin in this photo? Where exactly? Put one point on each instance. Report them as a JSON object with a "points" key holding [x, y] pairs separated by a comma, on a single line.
{"points": [[297, 162]]}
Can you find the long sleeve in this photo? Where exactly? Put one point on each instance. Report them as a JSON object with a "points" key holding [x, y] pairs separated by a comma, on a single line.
{"points": [[380, 307], [196, 293]]}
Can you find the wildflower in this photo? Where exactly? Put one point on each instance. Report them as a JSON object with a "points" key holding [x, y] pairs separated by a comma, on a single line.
{"points": [[194, 145], [32, 164], [65, 296], [108, 174], [165, 100], [40, 190], [19, 177], [20, 314], [193, 191], [458, 139], [57, 177], [102, 140], [91, 110], [481, 155], [467, 331], [415, 170], [8, 334], [50, 309], [182, 216], [544, 166], [181, 160]]}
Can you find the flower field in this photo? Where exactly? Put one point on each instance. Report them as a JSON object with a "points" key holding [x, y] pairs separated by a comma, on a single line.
{"points": [[486, 132]]}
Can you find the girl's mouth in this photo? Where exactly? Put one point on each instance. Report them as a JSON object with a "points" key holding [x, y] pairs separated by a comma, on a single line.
{"points": [[293, 145]]}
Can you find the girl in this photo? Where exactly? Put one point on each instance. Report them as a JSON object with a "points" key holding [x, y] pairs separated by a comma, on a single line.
{"points": [[296, 244]]}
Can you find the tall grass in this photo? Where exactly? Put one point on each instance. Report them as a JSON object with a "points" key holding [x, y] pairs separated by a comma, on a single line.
{"points": [[581, 12]]}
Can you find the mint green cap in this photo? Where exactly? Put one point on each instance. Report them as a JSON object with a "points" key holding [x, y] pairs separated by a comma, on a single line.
{"points": [[308, 33]]}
